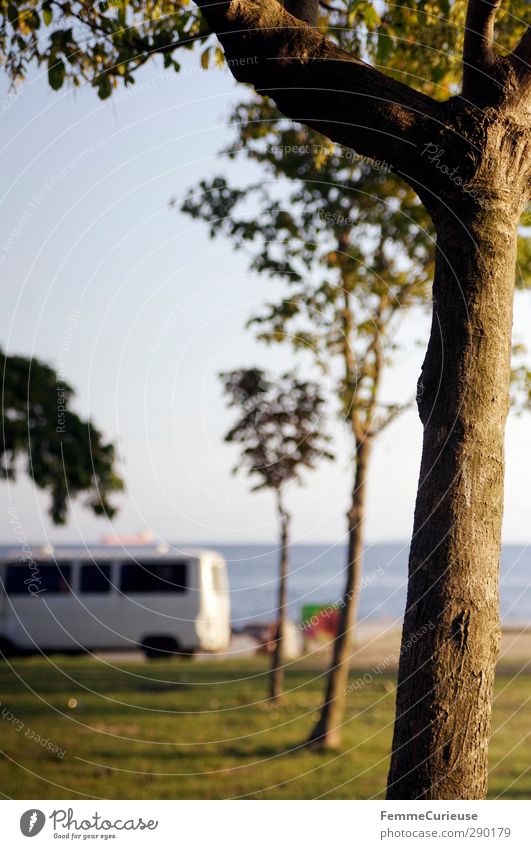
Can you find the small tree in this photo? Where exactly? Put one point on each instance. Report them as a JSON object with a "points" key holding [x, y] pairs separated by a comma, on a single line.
{"points": [[352, 245], [280, 430], [64, 455]]}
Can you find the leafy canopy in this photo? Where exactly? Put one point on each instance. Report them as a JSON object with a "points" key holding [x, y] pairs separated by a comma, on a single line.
{"points": [[351, 241], [101, 43], [64, 455], [279, 425]]}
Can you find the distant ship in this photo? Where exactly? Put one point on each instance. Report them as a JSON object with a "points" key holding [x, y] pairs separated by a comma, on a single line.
{"points": [[144, 538]]}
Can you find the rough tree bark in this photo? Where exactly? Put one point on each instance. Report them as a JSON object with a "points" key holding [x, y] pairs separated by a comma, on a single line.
{"points": [[327, 731], [277, 658], [475, 186], [445, 679], [304, 10]]}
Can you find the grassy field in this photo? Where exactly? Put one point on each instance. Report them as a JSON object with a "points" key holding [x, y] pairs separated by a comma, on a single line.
{"points": [[202, 729]]}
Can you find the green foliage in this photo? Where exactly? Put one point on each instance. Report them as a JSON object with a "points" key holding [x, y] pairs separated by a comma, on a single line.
{"points": [[64, 455], [106, 42], [101, 43], [520, 380], [419, 42], [351, 241], [523, 258], [279, 425]]}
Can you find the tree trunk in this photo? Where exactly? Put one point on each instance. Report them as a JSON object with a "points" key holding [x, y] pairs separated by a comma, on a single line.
{"points": [[451, 629], [277, 658], [327, 731]]}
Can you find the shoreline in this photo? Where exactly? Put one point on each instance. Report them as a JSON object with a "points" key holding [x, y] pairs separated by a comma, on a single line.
{"points": [[377, 647]]}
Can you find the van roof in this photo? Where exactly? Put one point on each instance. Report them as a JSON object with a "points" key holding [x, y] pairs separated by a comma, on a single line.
{"points": [[103, 552]]}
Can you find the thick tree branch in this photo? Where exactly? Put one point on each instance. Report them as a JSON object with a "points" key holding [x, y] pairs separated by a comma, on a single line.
{"points": [[478, 46], [521, 59], [315, 82], [523, 49], [479, 56], [304, 10]]}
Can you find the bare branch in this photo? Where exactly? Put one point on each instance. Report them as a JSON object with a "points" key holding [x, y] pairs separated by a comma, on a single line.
{"points": [[478, 49], [479, 54], [389, 414], [315, 82]]}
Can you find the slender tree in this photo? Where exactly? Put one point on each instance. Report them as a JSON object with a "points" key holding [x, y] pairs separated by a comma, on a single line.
{"points": [[350, 240], [279, 427], [469, 159], [64, 455]]}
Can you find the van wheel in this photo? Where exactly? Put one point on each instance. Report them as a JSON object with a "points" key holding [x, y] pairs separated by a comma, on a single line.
{"points": [[158, 648], [7, 649]]}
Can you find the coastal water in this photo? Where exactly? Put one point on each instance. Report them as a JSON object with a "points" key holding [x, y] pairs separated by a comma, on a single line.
{"points": [[317, 577]]}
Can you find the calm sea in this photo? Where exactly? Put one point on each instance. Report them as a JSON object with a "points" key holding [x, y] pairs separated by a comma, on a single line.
{"points": [[317, 577]]}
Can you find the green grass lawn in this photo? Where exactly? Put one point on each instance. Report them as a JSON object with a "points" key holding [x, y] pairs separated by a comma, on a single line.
{"points": [[188, 730]]}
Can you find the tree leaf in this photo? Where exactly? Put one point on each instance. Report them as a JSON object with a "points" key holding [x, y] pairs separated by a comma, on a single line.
{"points": [[56, 74]]}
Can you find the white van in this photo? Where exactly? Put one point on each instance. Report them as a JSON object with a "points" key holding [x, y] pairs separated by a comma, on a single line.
{"points": [[72, 600]]}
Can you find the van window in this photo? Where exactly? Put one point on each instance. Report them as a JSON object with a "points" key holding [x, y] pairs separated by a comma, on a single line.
{"points": [[154, 577], [95, 578], [36, 578]]}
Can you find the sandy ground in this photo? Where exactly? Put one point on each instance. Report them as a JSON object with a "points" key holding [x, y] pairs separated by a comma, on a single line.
{"points": [[382, 646], [376, 646]]}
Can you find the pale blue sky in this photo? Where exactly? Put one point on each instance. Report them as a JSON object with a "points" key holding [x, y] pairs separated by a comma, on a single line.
{"points": [[141, 310]]}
